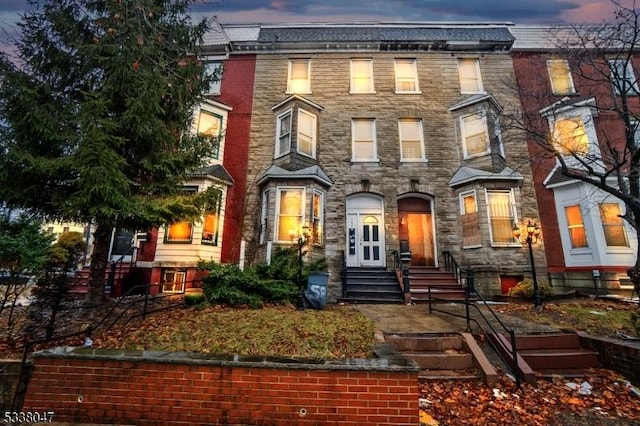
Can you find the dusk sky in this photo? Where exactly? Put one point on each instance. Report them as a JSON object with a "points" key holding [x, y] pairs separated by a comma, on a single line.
{"points": [[281, 11]]}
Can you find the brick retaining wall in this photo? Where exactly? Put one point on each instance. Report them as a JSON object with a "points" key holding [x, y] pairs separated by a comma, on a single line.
{"points": [[615, 354], [149, 388]]}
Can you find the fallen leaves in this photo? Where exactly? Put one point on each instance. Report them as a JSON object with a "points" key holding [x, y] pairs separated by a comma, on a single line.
{"points": [[473, 403]]}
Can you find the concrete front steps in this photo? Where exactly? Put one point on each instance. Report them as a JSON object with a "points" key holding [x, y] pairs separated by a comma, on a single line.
{"points": [[441, 285], [549, 354], [444, 356]]}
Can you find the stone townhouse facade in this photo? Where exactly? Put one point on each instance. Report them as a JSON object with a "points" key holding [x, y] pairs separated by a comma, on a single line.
{"points": [[363, 136]]}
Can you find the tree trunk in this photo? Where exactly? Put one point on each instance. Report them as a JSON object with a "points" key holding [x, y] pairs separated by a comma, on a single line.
{"points": [[634, 272], [98, 266]]}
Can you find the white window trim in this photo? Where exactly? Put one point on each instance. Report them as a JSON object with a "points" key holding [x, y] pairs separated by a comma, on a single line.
{"points": [[633, 89], [463, 133], [421, 139], [279, 190], [264, 216], [307, 89], [375, 157], [478, 76], [585, 114], [215, 86], [320, 217], [278, 129], [514, 212], [313, 135], [461, 197], [572, 89], [415, 76], [371, 79]]}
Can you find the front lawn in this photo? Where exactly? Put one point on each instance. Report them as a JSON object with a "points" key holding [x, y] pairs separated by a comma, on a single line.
{"points": [[336, 332]]}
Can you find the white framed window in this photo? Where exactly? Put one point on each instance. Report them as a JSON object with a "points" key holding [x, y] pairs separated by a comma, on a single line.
{"points": [[290, 203], [623, 78], [211, 222], [306, 141], [213, 69], [362, 76], [570, 136], [470, 77], [469, 220], [575, 225], [406, 76], [468, 203], [299, 79], [560, 77], [475, 135], [502, 217], [173, 281], [264, 216], [615, 234], [363, 131], [210, 124], [411, 139], [317, 218], [283, 134]]}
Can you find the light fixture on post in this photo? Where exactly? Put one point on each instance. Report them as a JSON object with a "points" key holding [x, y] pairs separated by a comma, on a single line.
{"points": [[300, 238], [533, 233]]}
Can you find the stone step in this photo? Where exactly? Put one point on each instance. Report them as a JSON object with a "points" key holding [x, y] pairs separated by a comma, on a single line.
{"points": [[447, 360], [560, 358], [547, 341]]}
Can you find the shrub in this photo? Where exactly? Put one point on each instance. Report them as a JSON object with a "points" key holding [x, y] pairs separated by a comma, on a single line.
{"points": [[276, 283], [635, 321], [194, 299], [525, 289]]}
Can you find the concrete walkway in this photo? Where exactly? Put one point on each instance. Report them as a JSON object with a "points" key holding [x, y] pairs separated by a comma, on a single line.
{"points": [[400, 318]]}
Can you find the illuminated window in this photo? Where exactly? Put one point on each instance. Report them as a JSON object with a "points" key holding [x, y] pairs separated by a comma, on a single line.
{"points": [[211, 223], [475, 136], [317, 225], [210, 124], [363, 140], [173, 281], [179, 232], [623, 77], [299, 76], [575, 223], [411, 139], [468, 203], [501, 210], [613, 225], [469, 73], [306, 133], [406, 76], [283, 131], [560, 76], [570, 137], [290, 212], [361, 76]]}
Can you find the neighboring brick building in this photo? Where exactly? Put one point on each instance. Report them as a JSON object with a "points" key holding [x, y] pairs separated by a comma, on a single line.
{"points": [[587, 242], [372, 134]]}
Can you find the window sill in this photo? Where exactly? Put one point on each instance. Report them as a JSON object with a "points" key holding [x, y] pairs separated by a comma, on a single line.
{"points": [[298, 93], [481, 154], [355, 160], [472, 247], [480, 92], [507, 245], [418, 92], [362, 93], [413, 160]]}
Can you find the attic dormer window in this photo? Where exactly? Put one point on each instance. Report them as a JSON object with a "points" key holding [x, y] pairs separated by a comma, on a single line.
{"points": [[299, 80]]}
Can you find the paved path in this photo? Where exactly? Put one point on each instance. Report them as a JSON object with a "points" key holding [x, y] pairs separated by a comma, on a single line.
{"points": [[399, 318]]}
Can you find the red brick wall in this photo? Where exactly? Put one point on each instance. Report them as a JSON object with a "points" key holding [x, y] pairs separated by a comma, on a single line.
{"points": [[150, 392], [237, 91]]}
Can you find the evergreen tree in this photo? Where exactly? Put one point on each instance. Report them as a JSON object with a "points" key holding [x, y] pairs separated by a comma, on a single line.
{"points": [[97, 114]]}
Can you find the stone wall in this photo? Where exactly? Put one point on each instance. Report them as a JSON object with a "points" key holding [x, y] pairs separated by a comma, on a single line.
{"points": [[615, 354], [160, 388]]}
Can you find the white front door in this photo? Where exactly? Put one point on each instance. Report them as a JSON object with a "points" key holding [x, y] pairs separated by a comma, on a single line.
{"points": [[371, 251], [365, 231]]}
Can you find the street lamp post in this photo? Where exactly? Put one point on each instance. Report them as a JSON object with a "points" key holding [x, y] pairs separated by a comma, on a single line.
{"points": [[300, 239], [533, 232]]}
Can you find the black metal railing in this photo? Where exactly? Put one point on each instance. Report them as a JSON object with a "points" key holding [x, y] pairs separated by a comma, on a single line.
{"points": [[115, 268], [471, 300], [104, 324], [343, 274]]}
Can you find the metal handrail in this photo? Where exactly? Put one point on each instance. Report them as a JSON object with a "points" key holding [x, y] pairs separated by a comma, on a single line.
{"points": [[451, 265], [343, 274]]}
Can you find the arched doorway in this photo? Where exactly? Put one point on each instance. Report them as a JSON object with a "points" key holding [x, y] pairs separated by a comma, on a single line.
{"points": [[365, 231], [417, 227]]}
